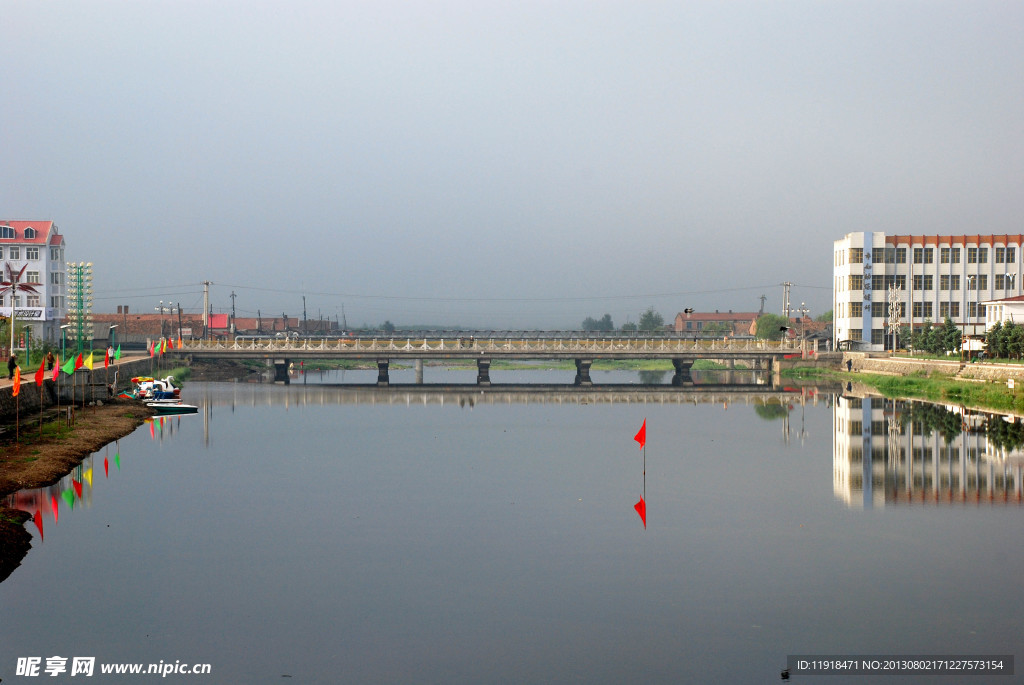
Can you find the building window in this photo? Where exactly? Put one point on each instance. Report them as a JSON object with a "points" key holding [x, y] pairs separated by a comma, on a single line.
{"points": [[57, 301], [856, 255], [949, 255], [56, 278], [951, 309], [877, 336], [55, 254], [922, 310], [1000, 257], [32, 300], [856, 309], [923, 255], [975, 309], [889, 255], [856, 282], [31, 253], [923, 282], [6, 232], [32, 277], [855, 334], [1011, 255], [979, 282], [14, 253], [977, 255], [30, 233]]}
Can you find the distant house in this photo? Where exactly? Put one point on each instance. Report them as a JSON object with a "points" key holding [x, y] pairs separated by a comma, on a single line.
{"points": [[716, 323], [1007, 309]]}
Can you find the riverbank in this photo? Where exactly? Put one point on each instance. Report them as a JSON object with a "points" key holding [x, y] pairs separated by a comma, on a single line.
{"points": [[35, 461]]}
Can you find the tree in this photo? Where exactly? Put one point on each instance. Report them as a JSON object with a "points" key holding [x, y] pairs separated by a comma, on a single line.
{"points": [[602, 324], [628, 327], [827, 316], [717, 328], [769, 325], [651, 320], [388, 327]]}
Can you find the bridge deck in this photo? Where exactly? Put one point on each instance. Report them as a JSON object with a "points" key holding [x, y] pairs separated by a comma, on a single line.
{"points": [[496, 348]]}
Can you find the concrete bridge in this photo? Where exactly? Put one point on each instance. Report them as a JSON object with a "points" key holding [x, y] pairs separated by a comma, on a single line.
{"points": [[281, 352]]}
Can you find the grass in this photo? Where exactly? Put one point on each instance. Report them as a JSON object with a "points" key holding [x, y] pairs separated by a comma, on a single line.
{"points": [[943, 389]]}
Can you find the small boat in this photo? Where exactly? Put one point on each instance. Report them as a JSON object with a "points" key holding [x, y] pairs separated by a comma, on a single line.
{"points": [[164, 408]]}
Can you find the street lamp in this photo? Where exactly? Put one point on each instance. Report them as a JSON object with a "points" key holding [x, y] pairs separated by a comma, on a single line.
{"points": [[63, 340]]}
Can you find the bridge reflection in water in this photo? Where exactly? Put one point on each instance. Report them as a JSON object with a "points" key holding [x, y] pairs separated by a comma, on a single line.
{"points": [[892, 453]]}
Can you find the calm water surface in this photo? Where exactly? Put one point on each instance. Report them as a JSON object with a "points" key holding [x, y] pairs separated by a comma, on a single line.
{"points": [[341, 535]]}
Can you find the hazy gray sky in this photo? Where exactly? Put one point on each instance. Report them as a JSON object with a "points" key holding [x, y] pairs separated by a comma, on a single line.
{"points": [[502, 163]]}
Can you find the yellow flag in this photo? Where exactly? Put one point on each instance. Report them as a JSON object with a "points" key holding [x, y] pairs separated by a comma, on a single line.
{"points": [[88, 476], [88, 361]]}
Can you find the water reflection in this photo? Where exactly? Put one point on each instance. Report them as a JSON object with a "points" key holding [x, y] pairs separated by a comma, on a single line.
{"points": [[891, 452]]}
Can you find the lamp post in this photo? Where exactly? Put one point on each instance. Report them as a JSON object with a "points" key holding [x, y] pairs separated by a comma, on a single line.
{"points": [[63, 340]]}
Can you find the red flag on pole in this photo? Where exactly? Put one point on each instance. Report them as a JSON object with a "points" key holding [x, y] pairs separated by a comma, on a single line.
{"points": [[56, 369], [41, 373], [17, 381], [641, 435], [79, 362], [641, 508]]}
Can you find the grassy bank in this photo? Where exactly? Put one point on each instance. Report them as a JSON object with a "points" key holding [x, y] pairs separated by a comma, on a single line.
{"points": [[941, 389]]}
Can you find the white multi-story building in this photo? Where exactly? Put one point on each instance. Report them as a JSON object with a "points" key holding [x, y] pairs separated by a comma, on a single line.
{"points": [[938, 276], [38, 247]]}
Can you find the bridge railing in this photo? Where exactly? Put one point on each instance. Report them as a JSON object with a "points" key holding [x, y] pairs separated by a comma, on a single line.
{"points": [[473, 345]]}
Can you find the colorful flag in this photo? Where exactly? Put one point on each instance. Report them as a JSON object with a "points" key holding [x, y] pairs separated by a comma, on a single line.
{"points": [[641, 508], [78, 488], [106, 468], [69, 498], [88, 361], [170, 343], [641, 435], [106, 358], [41, 373], [117, 352], [78, 361], [69, 366], [38, 518], [54, 508], [17, 381], [56, 369]]}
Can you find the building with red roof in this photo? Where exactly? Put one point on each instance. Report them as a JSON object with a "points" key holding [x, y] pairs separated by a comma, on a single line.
{"points": [[32, 252]]}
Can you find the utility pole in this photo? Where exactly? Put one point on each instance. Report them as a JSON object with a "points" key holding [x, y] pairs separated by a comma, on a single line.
{"points": [[785, 299], [233, 296], [761, 311], [259, 323], [206, 308], [305, 326]]}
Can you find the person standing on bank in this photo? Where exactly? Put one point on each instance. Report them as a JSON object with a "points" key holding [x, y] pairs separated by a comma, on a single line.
{"points": [[12, 364], [50, 361]]}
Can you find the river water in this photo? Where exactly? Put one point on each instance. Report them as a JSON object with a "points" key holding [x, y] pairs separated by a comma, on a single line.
{"points": [[313, 533]]}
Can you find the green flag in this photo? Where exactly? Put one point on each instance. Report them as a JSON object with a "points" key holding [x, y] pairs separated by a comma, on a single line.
{"points": [[69, 498], [69, 366], [117, 354]]}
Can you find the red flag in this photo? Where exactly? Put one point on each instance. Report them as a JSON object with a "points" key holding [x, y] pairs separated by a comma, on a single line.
{"points": [[17, 381], [106, 359], [56, 369], [78, 487], [38, 518], [641, 508], [641, 435], [79, 362], [53, 502], [106, 468], [170, 343], [41, 373]]}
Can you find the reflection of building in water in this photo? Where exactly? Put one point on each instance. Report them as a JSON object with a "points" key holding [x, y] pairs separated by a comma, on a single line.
{"points": [[889, 452]]}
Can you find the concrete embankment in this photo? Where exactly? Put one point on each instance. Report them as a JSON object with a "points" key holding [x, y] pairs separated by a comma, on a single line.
{"points": [[86, 387], [904, 366]]}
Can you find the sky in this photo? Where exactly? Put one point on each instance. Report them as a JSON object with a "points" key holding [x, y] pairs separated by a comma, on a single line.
{"points": [[502, 164]]}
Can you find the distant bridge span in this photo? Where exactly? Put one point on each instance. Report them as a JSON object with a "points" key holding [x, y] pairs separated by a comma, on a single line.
{"points": [[760, 354]]}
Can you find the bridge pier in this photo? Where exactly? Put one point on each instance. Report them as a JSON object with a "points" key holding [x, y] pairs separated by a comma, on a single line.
{"points": [[418, 365], [682, 375], [382, 372], [281, 371], [483, 371], [583, 371]]}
